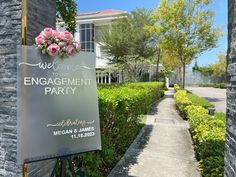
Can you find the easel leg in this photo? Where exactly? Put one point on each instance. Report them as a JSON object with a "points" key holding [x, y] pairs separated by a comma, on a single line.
{"points": [[24, 170], [71, 167], [55, 168], [63, 167]]}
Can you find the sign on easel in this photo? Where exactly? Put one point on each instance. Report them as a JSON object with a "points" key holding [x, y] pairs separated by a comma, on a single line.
{"points": [[57, 105]]}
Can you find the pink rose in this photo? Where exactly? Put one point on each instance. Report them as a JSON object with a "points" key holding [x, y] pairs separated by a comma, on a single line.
{"points": [[40, 39], [47, 32], [53, 50], [76, 45], [70, 50], [56, 33], [66, 36]]}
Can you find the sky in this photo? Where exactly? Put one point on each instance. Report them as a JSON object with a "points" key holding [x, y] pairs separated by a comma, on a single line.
{"points": [[218, 6]]}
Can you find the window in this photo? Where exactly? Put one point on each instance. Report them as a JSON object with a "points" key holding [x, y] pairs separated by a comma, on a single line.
{"points": [[87, 37]]}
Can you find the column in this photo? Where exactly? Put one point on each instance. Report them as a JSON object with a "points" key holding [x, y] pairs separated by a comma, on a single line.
{"points": [[120, 76], [230, 151], [109, 79]]}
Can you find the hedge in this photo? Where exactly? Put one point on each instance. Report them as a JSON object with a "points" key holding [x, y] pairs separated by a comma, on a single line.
{"points": [[177, 87], [209, 139], [208, 133], [215, 85], [120, 107], [184, 98]]}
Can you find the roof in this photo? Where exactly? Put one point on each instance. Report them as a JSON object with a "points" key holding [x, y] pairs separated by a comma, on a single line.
{"points": [[101, 12], [97, 15]]}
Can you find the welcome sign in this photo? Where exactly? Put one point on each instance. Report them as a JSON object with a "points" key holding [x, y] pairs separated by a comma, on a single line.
{"points": [[57, 105]]}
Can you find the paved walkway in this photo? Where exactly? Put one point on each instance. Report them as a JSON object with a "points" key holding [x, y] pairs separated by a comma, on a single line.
{"points": [[163, 147], [214, 95]]}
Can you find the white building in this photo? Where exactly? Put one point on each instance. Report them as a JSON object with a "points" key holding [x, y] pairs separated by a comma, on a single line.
{"points": [[88, 34]]}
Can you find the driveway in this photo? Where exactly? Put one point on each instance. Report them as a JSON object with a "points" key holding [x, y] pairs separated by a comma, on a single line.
{"points": [[214, 95]]}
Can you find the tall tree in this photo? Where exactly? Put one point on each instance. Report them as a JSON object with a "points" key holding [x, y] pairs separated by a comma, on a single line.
{"points": [[186, 29], [169, 60], [219, 68], [128, 43], [67, 9]]}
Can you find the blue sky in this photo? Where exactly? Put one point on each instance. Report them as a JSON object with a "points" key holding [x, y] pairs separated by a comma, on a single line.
{"points": [[218, 6]]}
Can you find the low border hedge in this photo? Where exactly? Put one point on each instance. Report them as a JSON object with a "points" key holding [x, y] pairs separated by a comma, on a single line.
{"points": [[214, 85], [177, 87], [208, 134]]}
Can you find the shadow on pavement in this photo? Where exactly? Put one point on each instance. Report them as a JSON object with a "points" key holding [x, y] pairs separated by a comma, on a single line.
{"points": [[137, 147], [211, 99], [154, 108], [131, 156]]}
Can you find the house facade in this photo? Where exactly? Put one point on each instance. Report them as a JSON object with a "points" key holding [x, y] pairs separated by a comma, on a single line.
{"points": [[88, 34]]}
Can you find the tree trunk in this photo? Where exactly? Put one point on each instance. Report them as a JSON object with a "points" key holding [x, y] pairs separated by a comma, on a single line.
{"points": [[184, 68], [158, 62], [178, 76]]}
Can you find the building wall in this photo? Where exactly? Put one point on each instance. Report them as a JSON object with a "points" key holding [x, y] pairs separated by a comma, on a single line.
{"points": [[40, 14], [230, 148], [10, 36]]}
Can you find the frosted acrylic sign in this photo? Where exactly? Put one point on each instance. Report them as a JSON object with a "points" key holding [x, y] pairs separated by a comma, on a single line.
{"points": [[57, 110]]}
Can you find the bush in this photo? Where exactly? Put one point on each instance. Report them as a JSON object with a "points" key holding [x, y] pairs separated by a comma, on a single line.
{"points": [[112, 85], [182, 100], [215, 85], [198, 101], [209, 163], [208, 132], [209, 138], [176, 87], [119, 108]]}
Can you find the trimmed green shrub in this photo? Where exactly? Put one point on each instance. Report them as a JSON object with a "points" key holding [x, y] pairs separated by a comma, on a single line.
{"points": [[215, 85], [112, 85], [213, 166], [120, 107], [209, 138], [182, 101], [198, 101], [176, 87], [208, 133]]}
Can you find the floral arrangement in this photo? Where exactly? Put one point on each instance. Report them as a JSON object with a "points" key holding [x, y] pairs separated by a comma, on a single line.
{"points": [[56, 43]]}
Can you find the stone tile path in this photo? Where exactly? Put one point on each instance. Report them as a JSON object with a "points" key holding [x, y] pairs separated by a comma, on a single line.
{"points": [[163, 148]]}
